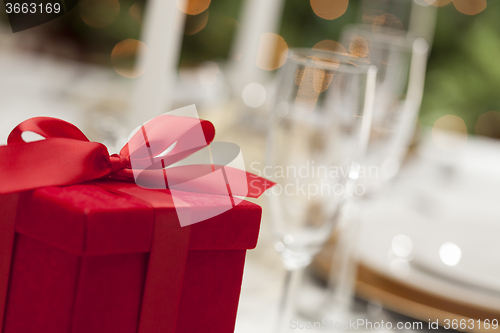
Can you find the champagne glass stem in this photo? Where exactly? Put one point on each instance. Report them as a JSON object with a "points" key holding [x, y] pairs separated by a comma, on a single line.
{"points": [[286, 305], [344, 266]]}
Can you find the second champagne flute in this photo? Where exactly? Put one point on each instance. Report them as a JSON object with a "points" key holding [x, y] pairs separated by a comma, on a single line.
{"points": [[318, 132]]}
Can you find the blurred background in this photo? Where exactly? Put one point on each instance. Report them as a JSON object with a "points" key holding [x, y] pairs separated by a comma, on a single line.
{"points": [[462, 76], [224, 55]]}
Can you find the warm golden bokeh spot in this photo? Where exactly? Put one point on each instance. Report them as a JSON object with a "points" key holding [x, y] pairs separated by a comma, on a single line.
{"points": [[488, 124], [195, 23], [99, 13], [307, 94], [387, 21], [329, 45], [123, 57], [299, 74], [193, 7], [470, 7], [359, 47], [449, 133], [272, 51], [322, 80], [438, 3], [329, 9], [135, 12], [311, 81]]}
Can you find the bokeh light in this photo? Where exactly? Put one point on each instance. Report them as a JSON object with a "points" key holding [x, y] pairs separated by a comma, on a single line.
{"points": [[279, 247], [124, 55], [288, 239], [329, 45], [449, 133], [272, 51], [387, 20], [322, 79], [99, 13], [402, 246], [195, 23], [311, 81], [329, 9], [488, 124], [193, 7], [450, 254], [254, 95], [470, 7], [135, 12], [359, 47]]}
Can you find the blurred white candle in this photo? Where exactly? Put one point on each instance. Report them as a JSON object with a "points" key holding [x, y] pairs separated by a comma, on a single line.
{"points": [[423, 20], [162, 32], [258, 17]]}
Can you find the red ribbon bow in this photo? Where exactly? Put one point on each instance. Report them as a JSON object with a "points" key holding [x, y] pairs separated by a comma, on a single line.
{"points": [[66, 157]]}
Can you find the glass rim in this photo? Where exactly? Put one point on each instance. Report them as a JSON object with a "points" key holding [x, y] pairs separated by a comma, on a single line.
{"points": [[386, 35], [345, 62]]}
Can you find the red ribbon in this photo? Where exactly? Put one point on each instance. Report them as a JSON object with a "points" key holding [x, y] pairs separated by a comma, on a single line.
{"points": [[66, 156]]}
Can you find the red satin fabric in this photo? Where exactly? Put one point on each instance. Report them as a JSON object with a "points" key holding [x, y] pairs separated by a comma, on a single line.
{"points": [[88, 269], [66, 156]]}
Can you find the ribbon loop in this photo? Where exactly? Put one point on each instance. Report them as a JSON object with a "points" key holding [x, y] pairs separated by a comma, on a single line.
{"points": [[168, 139], [48, 128]]}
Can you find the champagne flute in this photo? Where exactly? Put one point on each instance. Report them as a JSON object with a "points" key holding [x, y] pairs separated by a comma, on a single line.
{"points": [[318, 132], [401, 61]]}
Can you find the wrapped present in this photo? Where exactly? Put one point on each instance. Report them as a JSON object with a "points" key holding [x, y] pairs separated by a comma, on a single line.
{"points": [[84, 249]]}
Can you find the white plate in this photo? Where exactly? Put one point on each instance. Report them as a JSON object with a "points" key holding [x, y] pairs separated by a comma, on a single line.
{"points": [[441, 200]]}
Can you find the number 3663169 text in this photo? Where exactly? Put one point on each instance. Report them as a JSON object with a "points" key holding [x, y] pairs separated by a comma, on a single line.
{"points": [[32, 8]]}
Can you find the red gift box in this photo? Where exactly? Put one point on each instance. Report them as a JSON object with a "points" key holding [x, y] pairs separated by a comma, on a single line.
{"points": [[110, 256]]}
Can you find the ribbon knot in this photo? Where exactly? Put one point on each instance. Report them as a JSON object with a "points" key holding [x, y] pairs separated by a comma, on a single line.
{"points": [[119, 162]]}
